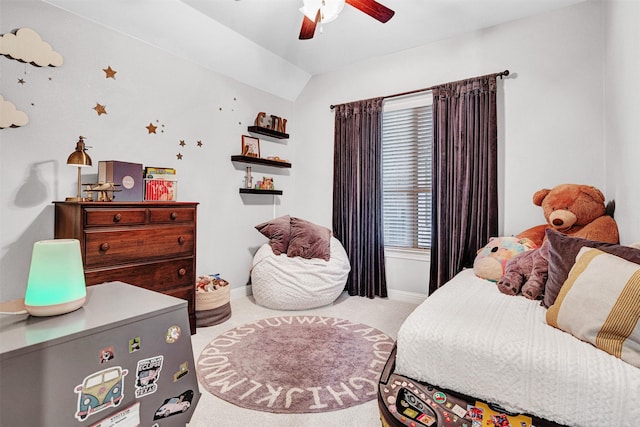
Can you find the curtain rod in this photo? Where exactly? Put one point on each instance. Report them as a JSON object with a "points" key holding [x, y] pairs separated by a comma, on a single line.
{"points": [[502, 74]]}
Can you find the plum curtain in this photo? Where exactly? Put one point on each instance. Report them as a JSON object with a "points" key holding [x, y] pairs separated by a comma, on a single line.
{"points": [[357, 194], [465, 193]]}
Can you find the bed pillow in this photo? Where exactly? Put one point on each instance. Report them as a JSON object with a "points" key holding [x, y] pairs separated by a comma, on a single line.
{"points": [[562, 255], [278, 231], [599, 304], [309, 240]]}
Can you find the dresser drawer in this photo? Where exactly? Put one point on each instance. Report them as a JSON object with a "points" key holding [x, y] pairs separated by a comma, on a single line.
{"points": [[112, 247], [185, 294], [148, 244], [188, 295], [156, 276], [171, 215], [113, 217]]}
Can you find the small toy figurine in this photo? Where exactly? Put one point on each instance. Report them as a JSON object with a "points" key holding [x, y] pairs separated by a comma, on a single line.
{"points": [[267, 183]]}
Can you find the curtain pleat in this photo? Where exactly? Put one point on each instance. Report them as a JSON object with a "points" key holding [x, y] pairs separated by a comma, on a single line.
{"points": [[357, 194], [465, 190]]}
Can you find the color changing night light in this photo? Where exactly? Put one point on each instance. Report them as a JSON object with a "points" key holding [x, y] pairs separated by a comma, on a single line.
{"points": [[56, 278]]}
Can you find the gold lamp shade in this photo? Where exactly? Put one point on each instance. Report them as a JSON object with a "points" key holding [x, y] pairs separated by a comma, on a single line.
{"points": [[81, 159]]}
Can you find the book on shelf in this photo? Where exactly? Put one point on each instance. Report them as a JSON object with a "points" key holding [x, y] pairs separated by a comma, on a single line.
{"points": [[165, 177], [156, 171]]}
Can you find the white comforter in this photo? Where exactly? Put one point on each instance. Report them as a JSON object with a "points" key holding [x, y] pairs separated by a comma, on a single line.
{"points": [[469, 337]]}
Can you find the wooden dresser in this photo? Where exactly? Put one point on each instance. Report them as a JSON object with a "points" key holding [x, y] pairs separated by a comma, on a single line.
{"points": [[146, 244]]}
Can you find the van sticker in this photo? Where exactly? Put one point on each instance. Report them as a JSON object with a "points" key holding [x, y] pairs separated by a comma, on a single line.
{"points": [[147, 375], [99, 391]]}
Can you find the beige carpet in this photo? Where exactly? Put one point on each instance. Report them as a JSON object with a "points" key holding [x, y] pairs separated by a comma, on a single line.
{"points": [[384, 314]]}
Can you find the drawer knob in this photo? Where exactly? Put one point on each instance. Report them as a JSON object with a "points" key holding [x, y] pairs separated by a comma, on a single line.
{"points": [[117, 217], [182, 272], [104, 247], [181, 240], [173, 216]]}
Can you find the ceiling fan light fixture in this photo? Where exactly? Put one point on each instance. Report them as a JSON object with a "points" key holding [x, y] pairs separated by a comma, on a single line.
{"points": [[329, 9]]}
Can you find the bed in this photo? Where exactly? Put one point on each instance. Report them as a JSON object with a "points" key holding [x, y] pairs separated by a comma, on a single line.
{"points": [[469, 339]]}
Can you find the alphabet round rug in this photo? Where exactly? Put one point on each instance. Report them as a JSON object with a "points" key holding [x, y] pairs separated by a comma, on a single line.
{"points": [[295, 364]]}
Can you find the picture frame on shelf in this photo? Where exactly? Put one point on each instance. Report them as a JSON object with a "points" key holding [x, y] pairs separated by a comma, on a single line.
{"points": [[250, 146]]}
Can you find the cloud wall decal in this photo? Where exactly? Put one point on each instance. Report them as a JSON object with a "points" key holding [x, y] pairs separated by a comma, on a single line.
{"points": [[26, 45], [10, 116]]}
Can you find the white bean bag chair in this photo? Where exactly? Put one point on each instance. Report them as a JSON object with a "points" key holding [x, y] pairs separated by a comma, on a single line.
{"points": [[295, 283]]}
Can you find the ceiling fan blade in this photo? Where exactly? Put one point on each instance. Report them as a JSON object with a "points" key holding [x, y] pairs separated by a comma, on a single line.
{"points": [[373, 9], [308, 27]]}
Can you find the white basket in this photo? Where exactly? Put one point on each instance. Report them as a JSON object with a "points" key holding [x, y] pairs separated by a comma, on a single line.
{"points": [[212, 299]]}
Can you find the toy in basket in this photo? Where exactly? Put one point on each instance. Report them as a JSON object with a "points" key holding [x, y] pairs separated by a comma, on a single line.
{"points": [[212, 300]]}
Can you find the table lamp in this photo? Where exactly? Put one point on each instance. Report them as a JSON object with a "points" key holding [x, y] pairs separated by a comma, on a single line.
{"points": [[56, 278], [81, 159]]}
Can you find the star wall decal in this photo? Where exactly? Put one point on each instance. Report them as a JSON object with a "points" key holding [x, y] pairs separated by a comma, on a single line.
{"points": [[21, 81], [179, 156], [182, 143], [100, 109], [199, 143], [110, 72], [151, 128]]}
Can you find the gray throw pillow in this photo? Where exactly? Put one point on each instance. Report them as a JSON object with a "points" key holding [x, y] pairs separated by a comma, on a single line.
{"points": [[278, 231], [309, 240]]}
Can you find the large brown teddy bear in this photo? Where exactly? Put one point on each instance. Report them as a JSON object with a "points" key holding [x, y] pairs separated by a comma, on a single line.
{"points": [[571, 209], [574, 210]]}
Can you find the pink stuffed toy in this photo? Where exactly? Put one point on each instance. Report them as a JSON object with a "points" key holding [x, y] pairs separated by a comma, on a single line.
{"points": [[526, 272], [491, 260]]}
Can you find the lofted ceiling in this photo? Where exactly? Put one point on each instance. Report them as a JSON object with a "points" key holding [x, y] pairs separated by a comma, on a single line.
{"points": [[238, 37], [354, 36]]}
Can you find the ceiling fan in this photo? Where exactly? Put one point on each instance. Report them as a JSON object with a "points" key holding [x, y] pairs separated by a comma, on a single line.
{"points": [[323, 11]]}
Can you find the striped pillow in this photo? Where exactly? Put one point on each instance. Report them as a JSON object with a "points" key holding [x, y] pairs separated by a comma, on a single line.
{"points": [[600, 304]]}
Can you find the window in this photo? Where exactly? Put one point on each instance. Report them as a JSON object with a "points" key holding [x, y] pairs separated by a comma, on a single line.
{"points": [[407, 136]]}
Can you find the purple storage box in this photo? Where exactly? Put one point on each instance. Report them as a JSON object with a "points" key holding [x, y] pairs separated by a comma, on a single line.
{"points": [[126, 176]]}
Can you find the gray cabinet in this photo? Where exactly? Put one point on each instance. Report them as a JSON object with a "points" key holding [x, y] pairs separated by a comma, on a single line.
{"points": [[125, 355]]}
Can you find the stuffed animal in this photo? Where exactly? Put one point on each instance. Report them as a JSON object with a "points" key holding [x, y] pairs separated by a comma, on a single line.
{"points": [[526, 272], [574, 210], [491, 260]]}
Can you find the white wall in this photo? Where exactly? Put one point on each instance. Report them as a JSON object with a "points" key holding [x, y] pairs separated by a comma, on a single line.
{"points": [[553, 125], [186, 102], [551, 114], [622, 89]]}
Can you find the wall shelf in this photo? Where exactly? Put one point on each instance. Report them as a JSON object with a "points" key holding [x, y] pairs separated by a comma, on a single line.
{"points": [[260, 161], [258, 191], [268, 132], [248, 160]]}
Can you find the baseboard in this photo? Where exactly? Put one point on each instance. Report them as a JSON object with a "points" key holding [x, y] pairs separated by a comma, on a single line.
{"points": [[394, 294], [243, 291], [404, 296]]}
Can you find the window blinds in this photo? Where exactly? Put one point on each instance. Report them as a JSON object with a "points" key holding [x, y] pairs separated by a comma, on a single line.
{"points": [[407, 135]]}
